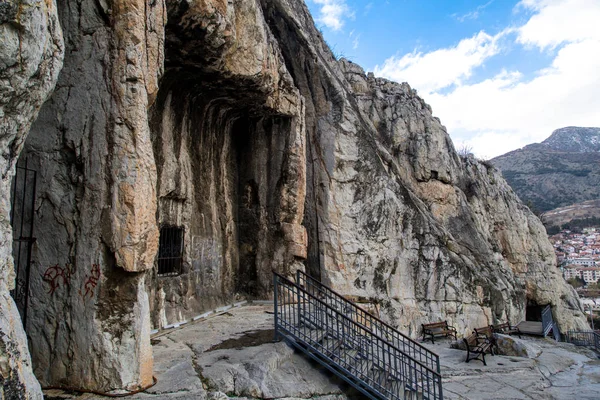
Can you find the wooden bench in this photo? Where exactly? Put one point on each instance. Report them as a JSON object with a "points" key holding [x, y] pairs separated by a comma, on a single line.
{"points": [[506, 329], [477, 347], [487, 333], [438, 329]]}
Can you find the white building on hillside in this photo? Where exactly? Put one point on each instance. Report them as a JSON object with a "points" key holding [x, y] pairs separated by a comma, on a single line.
{"points": [[587, 262], [590, 274]]}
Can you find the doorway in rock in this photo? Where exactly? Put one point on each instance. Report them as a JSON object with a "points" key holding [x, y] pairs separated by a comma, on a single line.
{"points": [[22, 221], [533, 312]]}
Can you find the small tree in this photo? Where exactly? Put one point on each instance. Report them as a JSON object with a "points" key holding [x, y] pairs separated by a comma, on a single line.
{"points": [[576, 282], [465, 151]]}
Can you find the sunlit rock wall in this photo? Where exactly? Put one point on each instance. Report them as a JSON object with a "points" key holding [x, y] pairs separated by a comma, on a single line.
{"points": [[31, 53]]}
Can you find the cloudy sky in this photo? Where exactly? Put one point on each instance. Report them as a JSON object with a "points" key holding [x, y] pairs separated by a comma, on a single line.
{"points": [[500, 74]]}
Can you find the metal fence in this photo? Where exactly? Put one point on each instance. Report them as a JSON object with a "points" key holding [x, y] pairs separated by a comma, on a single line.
{"points": [[584, 338], [348, 346]]}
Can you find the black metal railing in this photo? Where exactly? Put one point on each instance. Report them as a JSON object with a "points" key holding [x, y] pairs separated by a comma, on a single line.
{"points": [[547, 321], [351, 349], [358, 314], [584, 338]]}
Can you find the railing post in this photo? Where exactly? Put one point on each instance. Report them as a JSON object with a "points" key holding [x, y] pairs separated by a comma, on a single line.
{"points": [[276, 308], [300, 314]]}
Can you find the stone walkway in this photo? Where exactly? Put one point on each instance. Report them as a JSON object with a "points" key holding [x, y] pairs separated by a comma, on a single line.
{"points": [[233, 353]]}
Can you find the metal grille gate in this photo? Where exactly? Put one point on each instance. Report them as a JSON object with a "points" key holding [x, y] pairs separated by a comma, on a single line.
{"points": [[22, 221]]}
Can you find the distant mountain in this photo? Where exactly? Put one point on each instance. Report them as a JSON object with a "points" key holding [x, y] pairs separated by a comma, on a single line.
{"points": [[562, 170], [574, 140]]}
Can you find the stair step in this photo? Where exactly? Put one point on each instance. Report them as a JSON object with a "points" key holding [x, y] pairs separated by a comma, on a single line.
{"points": [[331, 347], [346, 358], [313, 336]]}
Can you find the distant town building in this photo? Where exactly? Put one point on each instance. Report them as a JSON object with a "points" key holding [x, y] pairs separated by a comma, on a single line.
{"points": [[578, 255], [590, 274], [588, 262]]}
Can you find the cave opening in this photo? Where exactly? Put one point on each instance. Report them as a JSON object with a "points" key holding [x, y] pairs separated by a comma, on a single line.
{"points": [[219, 169]]}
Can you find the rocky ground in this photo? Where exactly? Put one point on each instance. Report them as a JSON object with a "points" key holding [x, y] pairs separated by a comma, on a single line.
{"points": [[232, 355]]}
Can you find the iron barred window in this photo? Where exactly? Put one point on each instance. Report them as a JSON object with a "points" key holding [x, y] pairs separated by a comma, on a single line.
{"points": [[170, 251]]}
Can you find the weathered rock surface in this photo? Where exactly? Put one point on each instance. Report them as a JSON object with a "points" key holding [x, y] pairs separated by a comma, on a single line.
{"points": [[234, 122], [96, 200], [396, 215], [556, 371], [215, 359], [236, 358], [31, 51], [512, 346]]}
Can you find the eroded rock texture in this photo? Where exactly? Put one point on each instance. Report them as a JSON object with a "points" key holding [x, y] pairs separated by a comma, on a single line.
{"points": [[96, 200], [229, 141], [31, 50], [393, 213], [232, 121]]}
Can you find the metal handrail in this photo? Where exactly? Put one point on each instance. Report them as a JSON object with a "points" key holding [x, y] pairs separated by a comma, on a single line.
{"points": [[297, 309], [410, 346]]}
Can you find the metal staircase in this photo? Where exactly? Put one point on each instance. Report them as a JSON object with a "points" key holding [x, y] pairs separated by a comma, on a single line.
{"points": [[370, 355]]}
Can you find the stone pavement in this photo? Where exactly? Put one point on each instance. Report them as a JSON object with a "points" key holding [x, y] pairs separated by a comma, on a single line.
{"points": [[554, 371], [232, 356]]}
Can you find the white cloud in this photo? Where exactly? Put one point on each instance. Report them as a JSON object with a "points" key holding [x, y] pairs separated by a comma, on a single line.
{"points": [[333, 13], [356, 42], [472, 14], [558, 22], [444, 67], [509, 110]]}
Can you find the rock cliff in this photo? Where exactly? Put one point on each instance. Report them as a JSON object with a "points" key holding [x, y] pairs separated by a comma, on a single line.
{"points": [[31, 51], [233, 123]]}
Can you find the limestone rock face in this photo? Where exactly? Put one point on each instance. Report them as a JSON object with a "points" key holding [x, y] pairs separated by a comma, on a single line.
{"points": [[31, 51], [232, 123], [396, 215], [512, 346], [229, 144], [96, 200]]}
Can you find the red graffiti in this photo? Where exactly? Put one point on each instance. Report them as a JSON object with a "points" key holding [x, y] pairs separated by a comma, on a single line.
{"points": [[55, 275], [91, 282]]}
